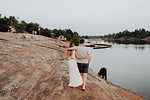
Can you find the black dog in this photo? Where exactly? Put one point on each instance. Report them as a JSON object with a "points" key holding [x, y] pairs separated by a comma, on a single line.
{"points": [[103, 73]]}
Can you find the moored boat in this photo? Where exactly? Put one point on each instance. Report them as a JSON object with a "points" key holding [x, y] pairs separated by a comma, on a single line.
{"points": [[99, 46]]}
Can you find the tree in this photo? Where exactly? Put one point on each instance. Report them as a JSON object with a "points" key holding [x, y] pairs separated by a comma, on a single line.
{"points": [[56, 32], [46, 32], [13, 21], [32, 26], [86, 37], [75, 39], [4, 24], [138, 33], [68, 31], [22, 26]]}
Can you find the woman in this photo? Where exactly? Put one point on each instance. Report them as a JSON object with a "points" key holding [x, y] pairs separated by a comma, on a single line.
{"points": [[74, 75]]}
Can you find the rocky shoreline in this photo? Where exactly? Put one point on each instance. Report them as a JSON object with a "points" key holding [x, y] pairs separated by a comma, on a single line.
{"points": [[34, 67], [129, 40]]}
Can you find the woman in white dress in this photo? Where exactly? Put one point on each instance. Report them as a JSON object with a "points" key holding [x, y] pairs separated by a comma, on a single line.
{"points": [[74, 75]]}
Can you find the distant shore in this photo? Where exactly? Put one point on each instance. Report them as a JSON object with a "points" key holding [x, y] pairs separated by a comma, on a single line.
{"points": [[129, 40]]}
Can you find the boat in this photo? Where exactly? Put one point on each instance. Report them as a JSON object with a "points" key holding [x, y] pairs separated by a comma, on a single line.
{"points": [[89, 45], [99, 46]]}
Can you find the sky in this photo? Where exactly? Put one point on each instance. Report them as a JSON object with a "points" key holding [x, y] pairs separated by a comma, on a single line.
{"points": [[87, 17]]}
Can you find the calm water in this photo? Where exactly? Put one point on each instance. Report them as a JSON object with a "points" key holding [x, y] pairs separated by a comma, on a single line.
{"points": [[128, 66]]}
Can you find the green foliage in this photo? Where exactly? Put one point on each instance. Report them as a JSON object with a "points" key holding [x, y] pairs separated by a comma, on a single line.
{"points": [[32, 26], [67, 33], [4, 24], [75, 39], [22, 26], [13, 21], [92, 37], [138, 33], [46, 32], [85, 37]]}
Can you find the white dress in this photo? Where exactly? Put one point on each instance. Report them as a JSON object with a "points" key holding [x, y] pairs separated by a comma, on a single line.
{"points": [[74, 75]]}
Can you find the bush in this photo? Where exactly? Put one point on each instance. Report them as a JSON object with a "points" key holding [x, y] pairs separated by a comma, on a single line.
{"points": [[75, 39]]}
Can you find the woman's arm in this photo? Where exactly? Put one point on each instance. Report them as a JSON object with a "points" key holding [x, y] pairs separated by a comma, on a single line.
{"points": [[67, 55], [78, 57]]}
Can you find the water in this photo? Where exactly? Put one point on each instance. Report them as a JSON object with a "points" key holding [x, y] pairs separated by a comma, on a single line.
{"points": [[128, 66]]}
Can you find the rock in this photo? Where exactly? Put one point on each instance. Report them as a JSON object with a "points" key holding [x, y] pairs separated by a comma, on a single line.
{"points": [[147, 39], [33, 67]]}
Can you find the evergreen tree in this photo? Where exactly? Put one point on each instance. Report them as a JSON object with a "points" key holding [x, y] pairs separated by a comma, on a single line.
{"points": [[22, 26], [75, 39]]}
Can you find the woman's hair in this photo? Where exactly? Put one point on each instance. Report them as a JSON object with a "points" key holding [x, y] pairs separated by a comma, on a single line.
{"points": [[71, 44], [69, 52]]}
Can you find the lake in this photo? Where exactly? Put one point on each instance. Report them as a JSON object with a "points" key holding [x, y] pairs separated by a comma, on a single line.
{"points": [[127, 66]]}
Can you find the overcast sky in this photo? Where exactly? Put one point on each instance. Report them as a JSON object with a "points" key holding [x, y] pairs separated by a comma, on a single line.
{"points": [[87, 17]]}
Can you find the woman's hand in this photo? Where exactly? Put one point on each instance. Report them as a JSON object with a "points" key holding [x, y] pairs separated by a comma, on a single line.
{"points": [[67, 58], [81, 57], [85, 57], [78, 57]]}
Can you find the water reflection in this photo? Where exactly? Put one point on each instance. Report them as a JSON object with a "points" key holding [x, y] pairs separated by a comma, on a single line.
{"points": [[127, 65], [139, 47], [129, 42]]}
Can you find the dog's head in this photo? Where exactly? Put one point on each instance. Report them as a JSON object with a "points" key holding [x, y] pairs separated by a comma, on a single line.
{"points": [[102, 70]]}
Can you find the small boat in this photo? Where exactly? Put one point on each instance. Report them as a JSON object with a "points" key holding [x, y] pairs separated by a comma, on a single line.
{"points": [[99, 46], [89, 45]]}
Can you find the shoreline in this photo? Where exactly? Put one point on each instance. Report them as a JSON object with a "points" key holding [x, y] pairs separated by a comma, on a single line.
{"points": [[129, 40], [108, 82], [37, 66]]}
